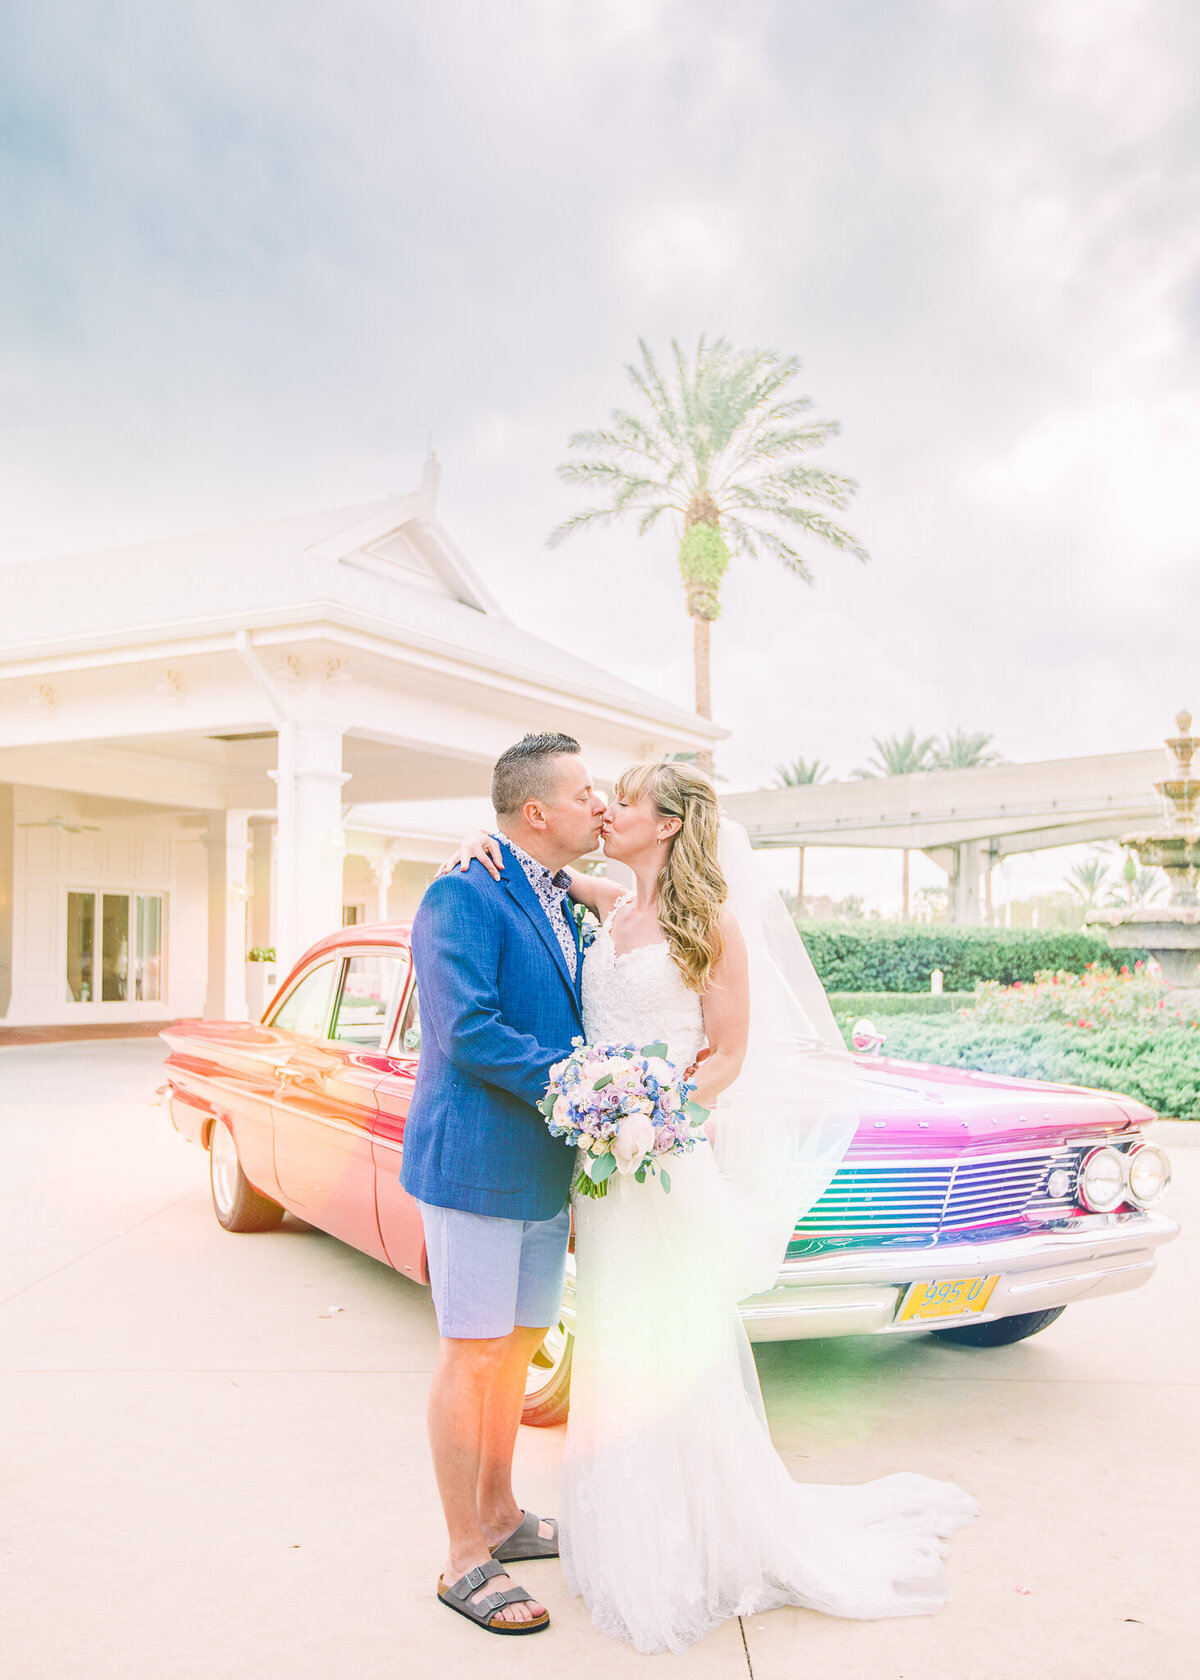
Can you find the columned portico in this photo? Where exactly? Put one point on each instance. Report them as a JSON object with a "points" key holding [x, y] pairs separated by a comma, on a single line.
{"points": [[188, 729]]}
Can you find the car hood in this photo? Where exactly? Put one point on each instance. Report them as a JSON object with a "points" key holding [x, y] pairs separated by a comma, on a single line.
{"points": [[920, 1104]]}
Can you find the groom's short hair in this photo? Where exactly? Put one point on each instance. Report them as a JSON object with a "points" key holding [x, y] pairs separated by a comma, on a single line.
{"points": [[526, 771]]}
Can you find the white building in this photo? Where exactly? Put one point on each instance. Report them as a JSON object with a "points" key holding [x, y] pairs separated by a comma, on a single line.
{"points": [[188, 728]]}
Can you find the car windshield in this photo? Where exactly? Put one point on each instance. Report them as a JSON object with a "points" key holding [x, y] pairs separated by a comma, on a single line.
{"points": [[305, 1009]]}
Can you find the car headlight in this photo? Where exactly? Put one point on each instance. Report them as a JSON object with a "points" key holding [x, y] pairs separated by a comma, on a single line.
{"points": [[1102, 1185], [1149, 1173]]}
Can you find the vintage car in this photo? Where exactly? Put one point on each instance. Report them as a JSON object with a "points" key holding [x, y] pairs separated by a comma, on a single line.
{"points": [[972, 1206]]}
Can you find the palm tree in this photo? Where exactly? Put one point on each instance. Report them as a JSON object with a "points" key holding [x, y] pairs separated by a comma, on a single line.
{"points": [[801, 772], [1142, 886], [1090, 882], [899, 755], [964, 749], [716, 443]]}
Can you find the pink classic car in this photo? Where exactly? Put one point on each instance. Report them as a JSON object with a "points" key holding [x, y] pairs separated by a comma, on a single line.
{"points": [[974, 1207]]}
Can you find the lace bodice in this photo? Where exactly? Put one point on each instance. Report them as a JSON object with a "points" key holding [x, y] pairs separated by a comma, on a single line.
{"points": [[639, 997]]}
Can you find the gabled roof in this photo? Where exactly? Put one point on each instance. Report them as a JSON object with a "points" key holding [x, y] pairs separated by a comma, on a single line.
{"points": [[386, 567], [246, 570]]}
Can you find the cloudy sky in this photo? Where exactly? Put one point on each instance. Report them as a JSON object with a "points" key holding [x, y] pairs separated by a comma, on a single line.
{"points": [[257, 256]]}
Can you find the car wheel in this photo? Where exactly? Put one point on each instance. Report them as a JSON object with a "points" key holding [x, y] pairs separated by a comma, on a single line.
{"points": [[548, 1382], [1000, 1332], [236, 1203]]}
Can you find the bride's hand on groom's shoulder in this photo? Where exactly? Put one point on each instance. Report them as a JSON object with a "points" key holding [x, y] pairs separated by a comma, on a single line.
{"points": [[479, 845]]}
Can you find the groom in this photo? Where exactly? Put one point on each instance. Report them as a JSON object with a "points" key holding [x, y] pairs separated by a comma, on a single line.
{"points": [[498, 968]]}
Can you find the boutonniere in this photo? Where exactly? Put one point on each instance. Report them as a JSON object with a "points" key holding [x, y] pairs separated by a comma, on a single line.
{"points": [[586, 925]]}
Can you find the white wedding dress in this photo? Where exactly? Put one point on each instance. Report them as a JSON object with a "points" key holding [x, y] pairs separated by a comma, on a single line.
{"points": [[677, 1512]]}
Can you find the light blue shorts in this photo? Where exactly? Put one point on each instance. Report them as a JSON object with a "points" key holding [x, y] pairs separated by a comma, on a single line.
{"points": [[489, 1275]]}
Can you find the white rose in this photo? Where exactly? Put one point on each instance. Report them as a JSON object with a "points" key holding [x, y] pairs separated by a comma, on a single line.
{"points": [[635, 1137], [656, 1068], [562, 1111]]}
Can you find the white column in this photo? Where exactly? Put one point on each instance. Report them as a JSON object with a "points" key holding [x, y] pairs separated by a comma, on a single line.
{"points": [[964, 883], [309, 780], [228, 844], [382, 870]]}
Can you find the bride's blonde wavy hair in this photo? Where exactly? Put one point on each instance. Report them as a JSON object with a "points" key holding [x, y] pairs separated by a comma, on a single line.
{"points": [[691, 887]]}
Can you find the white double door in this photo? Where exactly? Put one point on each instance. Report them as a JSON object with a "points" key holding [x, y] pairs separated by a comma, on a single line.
{"points": [[114, 946]]}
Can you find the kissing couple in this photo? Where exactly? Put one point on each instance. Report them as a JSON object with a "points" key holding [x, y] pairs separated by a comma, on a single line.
{"points": [[677, 1512]]}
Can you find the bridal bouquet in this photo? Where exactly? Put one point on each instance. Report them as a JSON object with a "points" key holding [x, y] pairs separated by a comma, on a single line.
{"points": [[626, 1109]]}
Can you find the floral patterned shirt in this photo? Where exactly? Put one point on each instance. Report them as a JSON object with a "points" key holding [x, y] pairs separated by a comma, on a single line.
{"points": [[551, 890]]}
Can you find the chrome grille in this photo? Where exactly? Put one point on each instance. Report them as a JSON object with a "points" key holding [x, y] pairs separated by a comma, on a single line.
{"points": [[925, 1197]]}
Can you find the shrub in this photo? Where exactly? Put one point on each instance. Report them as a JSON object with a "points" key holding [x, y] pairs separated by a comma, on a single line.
{"points": [[850, 1005], [1098, 997], [870, 957], [1157, 1063]]}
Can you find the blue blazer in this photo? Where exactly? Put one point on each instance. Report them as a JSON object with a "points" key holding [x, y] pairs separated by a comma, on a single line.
{"points": [[498, 1009]]}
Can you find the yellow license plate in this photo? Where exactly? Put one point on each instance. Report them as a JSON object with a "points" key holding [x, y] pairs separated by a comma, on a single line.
{"points": [[952, 1299]]}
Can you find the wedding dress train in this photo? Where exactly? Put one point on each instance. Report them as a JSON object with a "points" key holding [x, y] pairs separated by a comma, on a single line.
{"points": [[677, 1511]]}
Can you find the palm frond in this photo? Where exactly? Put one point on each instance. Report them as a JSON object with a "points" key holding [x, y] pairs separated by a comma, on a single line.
{"points": [[577, 521], [716, 426], [898, 755]]}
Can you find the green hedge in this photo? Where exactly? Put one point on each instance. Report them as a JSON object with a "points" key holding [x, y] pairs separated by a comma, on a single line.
{"points": [[1159, 1065], [850, 1005], [877, 957]]}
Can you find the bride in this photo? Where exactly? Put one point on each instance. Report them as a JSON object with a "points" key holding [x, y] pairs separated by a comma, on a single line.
{"points": [[677, 1511]]}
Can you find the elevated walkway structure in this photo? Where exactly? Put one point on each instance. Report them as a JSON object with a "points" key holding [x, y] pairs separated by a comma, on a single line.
{"points": [[965, 821]]}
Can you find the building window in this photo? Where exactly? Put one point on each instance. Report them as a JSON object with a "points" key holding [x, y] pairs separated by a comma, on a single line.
{"points": [[147, 974], [81, 934], [352, 914], [131, 925], [114, 950]]}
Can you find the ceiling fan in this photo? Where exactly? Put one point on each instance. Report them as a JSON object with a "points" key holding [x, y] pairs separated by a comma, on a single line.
{"points": [[61, 822]]}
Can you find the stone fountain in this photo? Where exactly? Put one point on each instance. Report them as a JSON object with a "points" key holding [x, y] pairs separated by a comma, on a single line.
{"points": [[1170, 931]]}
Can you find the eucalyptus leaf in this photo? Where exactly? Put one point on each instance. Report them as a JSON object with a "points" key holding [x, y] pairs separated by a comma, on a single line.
{"points": [[604, 1167], [666, 1179], [605, 1079], [696, 1113], [659, 1050]]}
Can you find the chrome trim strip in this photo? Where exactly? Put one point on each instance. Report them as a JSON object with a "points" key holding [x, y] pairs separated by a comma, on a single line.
{"points": [[1132, 1231], [1060, 1278]]}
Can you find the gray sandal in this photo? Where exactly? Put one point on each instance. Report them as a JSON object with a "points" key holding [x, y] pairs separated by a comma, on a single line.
{"points": [[525, 1543], [486, 1614]]}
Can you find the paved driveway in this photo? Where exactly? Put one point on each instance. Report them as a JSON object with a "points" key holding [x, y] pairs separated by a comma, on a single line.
{"points": [[209, 1473]]}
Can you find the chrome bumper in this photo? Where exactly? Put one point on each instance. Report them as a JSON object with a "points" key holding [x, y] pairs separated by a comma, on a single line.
{"points": [[858, 1292]]}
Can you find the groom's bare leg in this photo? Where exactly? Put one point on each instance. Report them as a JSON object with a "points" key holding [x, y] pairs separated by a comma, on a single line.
{"points": [[499, 1512], [465, 1374]]}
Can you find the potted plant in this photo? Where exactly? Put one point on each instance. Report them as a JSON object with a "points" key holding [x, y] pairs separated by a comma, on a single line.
{"points": [[260, 979]]}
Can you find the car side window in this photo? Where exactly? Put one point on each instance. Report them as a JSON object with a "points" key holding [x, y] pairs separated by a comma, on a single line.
{"points": [[306, 1007], [368, 992], [408, 1036]]}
